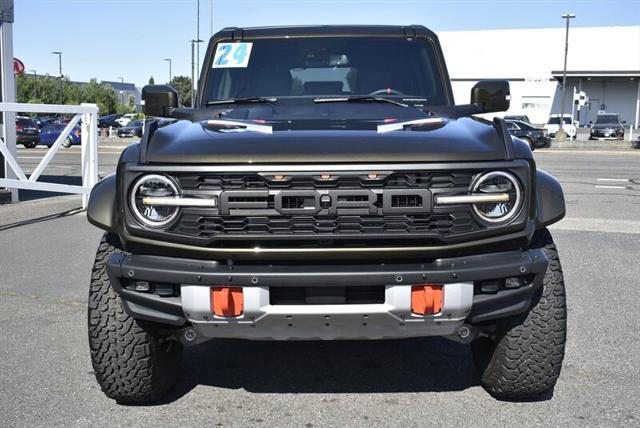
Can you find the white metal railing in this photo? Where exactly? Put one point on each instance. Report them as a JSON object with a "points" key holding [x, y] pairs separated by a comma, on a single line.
{"points": [[86, 114]]}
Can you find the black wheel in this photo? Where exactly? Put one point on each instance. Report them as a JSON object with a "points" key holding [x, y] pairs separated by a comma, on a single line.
{"points": [[131, 361], [523, 359], [529, 142], [67, 142], [29, 145]]}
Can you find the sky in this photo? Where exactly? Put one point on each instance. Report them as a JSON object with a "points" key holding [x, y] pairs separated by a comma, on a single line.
{"points": [[129, 38]]}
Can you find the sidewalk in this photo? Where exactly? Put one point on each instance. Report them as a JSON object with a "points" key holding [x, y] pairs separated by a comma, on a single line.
{"points": [[594, 145]]}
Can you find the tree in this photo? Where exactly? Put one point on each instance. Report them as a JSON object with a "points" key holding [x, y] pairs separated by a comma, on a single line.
{"points": [[151, 81], [46, 90], [182, 84]]}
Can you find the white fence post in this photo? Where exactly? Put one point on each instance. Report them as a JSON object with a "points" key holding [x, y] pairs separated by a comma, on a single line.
{"points": [[88, 113]]}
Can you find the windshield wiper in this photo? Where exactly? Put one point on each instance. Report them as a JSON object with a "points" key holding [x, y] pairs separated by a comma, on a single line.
{"points": [[359, 99], [255, 100]]}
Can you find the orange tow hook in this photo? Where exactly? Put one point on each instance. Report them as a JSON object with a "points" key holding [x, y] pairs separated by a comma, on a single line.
{"points": [[426, 299], [227, 301]]}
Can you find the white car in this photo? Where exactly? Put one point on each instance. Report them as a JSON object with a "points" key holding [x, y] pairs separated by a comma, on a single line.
{"points": [[553, 124], [125, 119]]}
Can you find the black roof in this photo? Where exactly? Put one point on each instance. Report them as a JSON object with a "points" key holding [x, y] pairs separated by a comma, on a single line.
{"points": [[325, 30]]}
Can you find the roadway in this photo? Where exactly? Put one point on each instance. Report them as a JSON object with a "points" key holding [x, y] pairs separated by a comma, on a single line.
{"points": [[46, 253]]}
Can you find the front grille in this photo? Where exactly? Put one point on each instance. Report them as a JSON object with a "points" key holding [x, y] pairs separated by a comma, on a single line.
{"points": [[397, 180], [323, 209], [328, 295], [210, 226]]}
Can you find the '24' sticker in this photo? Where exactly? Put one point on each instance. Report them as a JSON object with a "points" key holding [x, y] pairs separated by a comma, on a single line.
{"points": [[232, 55]]}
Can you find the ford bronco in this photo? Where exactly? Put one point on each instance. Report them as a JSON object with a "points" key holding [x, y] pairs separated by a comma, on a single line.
{"points": [[326, 186]]}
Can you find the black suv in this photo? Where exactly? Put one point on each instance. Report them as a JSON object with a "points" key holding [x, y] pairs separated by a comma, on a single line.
{"points": [[27, 132], [607, 126], [535, 137], [326, 186]]}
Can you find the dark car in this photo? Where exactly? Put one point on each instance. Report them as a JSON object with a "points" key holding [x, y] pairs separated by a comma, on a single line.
{"points": [[133, 129], [326, 186], [109, 121], [607, 126], [50, 133], [27, 132], [535, 137], [520, 117]]}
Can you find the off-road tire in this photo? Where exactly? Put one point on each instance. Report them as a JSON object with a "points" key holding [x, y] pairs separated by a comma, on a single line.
{"points": [[131, 361], [523, 360]]}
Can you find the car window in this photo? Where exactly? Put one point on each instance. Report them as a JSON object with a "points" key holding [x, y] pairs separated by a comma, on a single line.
{"points": [[330, 66], [26, 123], [512, 126], [607, 118]]}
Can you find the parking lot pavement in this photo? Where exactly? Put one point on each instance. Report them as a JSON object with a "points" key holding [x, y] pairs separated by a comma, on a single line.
{"points": [[46, 252]]}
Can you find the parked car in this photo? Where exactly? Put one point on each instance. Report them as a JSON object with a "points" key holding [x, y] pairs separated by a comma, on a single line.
{"points": [[51, 132], [27, 132], [607, 126], [133, 129], [536, 138], [287, 219], [109, 121], [569, 126], [522, 117], [125, 119]]}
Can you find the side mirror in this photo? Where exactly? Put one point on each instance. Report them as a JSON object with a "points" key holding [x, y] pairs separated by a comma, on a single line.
{"points": [[491, 95], [159, 100]]}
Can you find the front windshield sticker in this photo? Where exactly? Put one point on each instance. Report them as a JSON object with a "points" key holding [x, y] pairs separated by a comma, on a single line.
{"points": [[232, 55]]}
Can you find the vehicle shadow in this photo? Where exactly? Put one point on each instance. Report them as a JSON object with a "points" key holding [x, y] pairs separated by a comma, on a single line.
{"points": [[408, 365], [30, 195]]}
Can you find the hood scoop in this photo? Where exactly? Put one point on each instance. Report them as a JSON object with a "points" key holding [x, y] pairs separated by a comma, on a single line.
{"points": [[221, 125], [428, 122]]}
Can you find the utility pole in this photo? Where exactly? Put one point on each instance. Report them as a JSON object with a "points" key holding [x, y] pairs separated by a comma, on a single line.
{"points": [[60, 72], [169, 60], [35, 84], [193, 72], [198, 33], [561, 135], [121, 89]]}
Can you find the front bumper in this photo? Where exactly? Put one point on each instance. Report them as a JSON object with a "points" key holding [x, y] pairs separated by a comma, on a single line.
{"points": [[465, 301]]}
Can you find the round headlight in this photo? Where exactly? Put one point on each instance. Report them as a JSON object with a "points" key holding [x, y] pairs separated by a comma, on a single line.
{"points": [[142, 194], [503, 183]]}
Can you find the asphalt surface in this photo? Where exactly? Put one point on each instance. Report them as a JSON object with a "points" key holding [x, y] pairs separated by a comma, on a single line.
{"points": [[46, 253]]}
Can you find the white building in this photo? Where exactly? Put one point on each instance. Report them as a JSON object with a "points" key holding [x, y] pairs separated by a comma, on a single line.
{"points": [[604, 62]]}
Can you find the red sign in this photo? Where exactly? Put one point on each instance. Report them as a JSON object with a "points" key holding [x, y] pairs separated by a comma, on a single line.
{"points": [[18, 67]]}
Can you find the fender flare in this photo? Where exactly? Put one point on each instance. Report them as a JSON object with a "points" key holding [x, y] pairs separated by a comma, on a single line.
{"points": [[550, 203], [101, 210]]}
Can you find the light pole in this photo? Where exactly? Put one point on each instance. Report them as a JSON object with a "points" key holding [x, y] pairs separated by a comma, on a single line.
{"points": [[193, 73], [169, 60], [60, 72], [35, 84], [561, 135], [198, 33], [121, 89]]}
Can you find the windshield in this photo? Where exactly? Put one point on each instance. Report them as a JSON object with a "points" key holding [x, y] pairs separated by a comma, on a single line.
{"points": [[325, 67], [135, 123], [607, 118], [26, 123], [556, 121]]}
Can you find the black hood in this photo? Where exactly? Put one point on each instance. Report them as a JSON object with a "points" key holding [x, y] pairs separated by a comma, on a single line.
{"points": [[323, 132]]}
